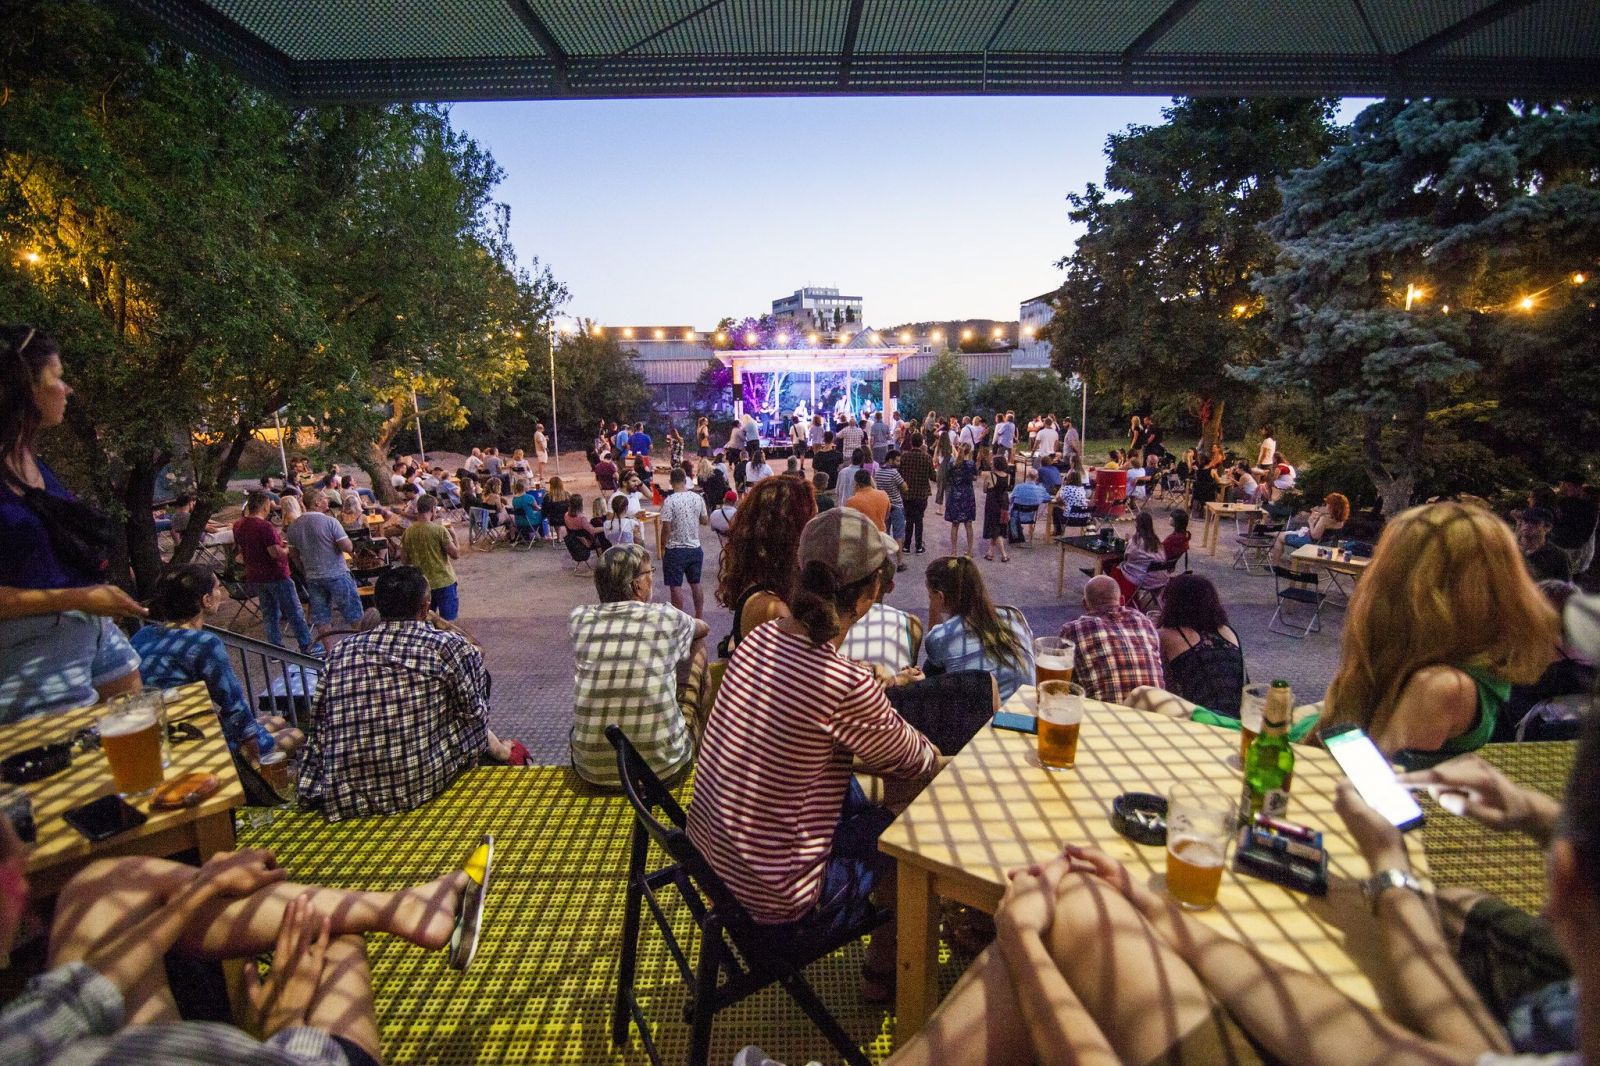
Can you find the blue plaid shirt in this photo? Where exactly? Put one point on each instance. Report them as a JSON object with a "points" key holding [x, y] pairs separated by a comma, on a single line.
{"points": [[169, 655]]}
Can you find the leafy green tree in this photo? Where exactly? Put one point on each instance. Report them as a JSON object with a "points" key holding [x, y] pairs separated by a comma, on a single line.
{"points": [[1029, 393], [1156, 303], [1429, 271], [943, 387]]}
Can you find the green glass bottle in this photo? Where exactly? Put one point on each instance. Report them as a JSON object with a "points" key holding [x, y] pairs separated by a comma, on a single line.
{"points": [[1269, 764]]}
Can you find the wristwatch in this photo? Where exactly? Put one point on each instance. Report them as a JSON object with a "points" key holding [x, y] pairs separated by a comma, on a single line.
{"points": [[1379, 883]]}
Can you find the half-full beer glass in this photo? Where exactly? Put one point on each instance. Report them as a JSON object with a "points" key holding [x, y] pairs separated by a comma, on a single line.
{"points": [[130, 735], [1199, 823], [1060, 717], [1052, 659]]}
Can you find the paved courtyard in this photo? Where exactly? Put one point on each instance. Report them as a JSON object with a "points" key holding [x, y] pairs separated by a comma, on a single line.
{"points": [[516, 604]]}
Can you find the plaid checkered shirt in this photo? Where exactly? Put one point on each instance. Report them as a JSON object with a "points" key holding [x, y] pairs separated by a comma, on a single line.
{"points": [[626, 656], [1117, 651], [882, 636], [917, 470], [402, 710]]}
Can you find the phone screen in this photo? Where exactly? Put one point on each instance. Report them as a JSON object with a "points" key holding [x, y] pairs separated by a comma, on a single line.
{"points": [[1373, 777], [105, 817]]}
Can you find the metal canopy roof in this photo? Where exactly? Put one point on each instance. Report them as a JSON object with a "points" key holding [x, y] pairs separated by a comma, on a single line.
{"points": [[385, 50]]}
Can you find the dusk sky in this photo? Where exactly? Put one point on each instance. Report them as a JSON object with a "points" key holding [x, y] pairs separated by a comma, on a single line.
{"points": [[681, 211]]}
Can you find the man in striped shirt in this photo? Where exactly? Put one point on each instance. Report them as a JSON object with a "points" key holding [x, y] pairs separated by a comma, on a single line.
{"points": [[775, 809]]}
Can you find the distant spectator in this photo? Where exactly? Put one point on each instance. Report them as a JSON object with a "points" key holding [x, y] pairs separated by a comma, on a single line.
{"points": [[320, 542], [757, 468], [682, 515], [1575, 521], [1176, 544], [825, 497], [1546, 562], [870, 500], [429, 545], [266, 572], [1324, 521]]}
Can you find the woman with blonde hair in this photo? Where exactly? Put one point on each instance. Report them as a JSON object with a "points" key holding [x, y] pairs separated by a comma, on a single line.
{"points": [[1443, 622], [1324, 520]]}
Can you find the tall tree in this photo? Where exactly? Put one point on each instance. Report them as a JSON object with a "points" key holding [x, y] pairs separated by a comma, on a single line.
{"points": [[1437, 263], [1156, 302], [944, 388]]}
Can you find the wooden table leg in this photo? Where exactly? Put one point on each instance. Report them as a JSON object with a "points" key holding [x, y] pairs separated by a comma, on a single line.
{"points": [[214, 833], [1213, 530], [917, 922]]}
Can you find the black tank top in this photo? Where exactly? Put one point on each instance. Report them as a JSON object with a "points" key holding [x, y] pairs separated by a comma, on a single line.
{"points": [[1209, 672]]}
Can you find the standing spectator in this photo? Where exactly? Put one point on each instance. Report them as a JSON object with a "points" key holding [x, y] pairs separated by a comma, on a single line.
{"points": [[889, 479], [423, 689], [702, 437], [825, 459], [266, 571], [1072, 442], [880, 438], [639, 665], [1546, 562], [815, 434], [1118, 649], [944, 453], [869, 500], [674, 447], [320, 542], [1267, 452], [850, 438], [541, 450], [961, 509], [916, 468], [605, 473], [682, 515], [1576, 514], [996, 499], [967, 632], [757, 468], [640, 443], [1005, 435], [1045, 441], [429, 545], [846, 485]]}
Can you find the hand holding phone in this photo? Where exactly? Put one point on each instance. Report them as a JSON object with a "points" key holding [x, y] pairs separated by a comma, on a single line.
{"points": [[1372, 776]]}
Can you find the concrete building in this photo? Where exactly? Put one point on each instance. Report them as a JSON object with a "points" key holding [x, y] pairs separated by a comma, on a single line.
{"points": [[817, 308], [1033, 353]]}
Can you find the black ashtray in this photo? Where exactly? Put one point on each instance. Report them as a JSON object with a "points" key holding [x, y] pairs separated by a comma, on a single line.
{"points": [[1141, 817], [36, 764]]}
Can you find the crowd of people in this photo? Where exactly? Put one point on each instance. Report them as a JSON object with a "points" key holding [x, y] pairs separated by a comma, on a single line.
{"points": [[818, 687]]}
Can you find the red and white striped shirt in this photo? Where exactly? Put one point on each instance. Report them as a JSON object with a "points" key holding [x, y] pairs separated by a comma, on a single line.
{"points": [[775, 763]]}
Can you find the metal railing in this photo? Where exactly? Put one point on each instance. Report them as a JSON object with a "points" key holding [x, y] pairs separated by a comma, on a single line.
{"points": [[275, 679]]}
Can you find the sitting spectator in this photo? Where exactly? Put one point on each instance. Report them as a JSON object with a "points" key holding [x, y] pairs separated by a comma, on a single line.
{"points": [[1117, 646], [870, 500], [106, 997], [1546, 562], [1562, 691], [429, 545], [320, 543], [183, 511], [582, 538], [1284, 476], [402, 710], [177, 650], [967, 632], [756, 574], [527, 509], [59, 647], [1144, 552], [713, 484], [757, 468], [557, 502], [1201, 653], [620, 527], [825, 498], [886, 638], [1322, 524], [1072, 503], [639, 665], [722, 515], [1242, 485], [776, 811], [1050, 474], [1442, 623], [1175, 545], [1576, 516], [1029, 494]]}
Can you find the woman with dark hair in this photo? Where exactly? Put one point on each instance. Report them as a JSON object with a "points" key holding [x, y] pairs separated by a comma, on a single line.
{"points": [[177, 650], [997, 486], [756, 574], [776, 810], [967, 632], [58, 645], [1144, 550], [961, 505], [1204, 661]]}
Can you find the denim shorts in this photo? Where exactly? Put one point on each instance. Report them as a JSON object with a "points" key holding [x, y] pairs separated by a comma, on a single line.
{"points": [[680, 563]]}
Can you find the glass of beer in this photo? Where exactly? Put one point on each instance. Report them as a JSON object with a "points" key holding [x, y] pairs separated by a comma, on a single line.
{"points": [[1251, 704], [1052, 659], [1060, 717], [1199, 824], [130, 735]]}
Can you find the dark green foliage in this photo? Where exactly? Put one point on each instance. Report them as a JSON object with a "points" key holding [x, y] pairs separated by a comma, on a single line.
{"points": [[1028, 393]]}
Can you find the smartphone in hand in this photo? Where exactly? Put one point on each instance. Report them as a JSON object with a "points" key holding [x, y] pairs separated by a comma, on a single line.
{"points": [[1372, 775]]}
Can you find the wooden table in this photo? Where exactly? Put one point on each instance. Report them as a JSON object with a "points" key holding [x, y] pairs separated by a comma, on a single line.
{"points": [[995, 808], [1214, 514], [653, 518], [1089, 546], [1351, 566], [62, 851]]}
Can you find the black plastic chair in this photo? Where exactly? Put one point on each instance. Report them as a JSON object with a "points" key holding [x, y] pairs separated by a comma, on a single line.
{"points": [[1148, 600], [1302, 589], [737, 956]]}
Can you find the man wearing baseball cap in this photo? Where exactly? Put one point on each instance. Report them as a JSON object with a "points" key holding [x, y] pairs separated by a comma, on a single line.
{"points": [[776, 810]]}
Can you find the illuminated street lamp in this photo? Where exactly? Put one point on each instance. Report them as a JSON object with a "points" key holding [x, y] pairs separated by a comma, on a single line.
{"points": [[1526, 303]]}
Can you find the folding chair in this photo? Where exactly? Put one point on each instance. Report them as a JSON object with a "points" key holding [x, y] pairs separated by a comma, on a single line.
{"points": [[244, 601], [1024, 515], [522, 536], [737, 957], [1148, 600], [1301, 589], [478, 531], [1254, 548]]}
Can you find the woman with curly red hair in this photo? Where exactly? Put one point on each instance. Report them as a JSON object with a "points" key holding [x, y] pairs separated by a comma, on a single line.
{"points": [[756, 574]]}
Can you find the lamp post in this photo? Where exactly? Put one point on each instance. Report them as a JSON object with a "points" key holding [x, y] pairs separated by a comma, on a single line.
{"points": [[555, 423]]}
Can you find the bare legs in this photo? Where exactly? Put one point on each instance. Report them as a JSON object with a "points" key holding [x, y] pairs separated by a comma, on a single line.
{"points": [[675, 594], [955, 528]]}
